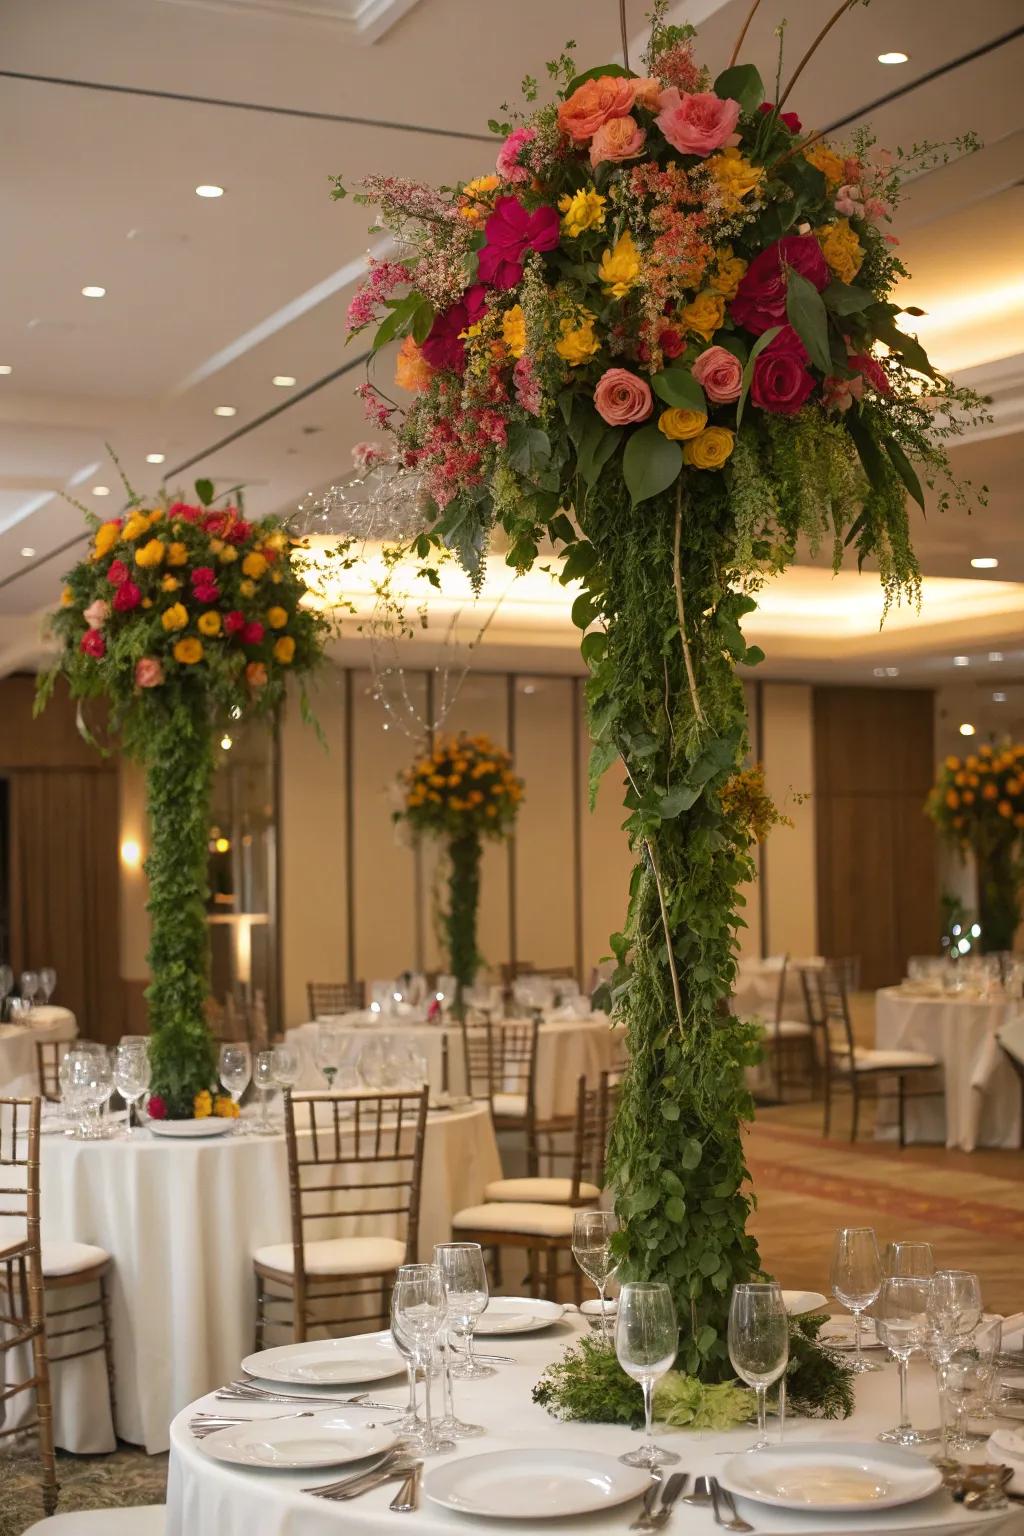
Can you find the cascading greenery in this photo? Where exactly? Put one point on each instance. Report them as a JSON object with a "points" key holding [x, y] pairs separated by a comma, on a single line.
{"points": [[460, 915]]}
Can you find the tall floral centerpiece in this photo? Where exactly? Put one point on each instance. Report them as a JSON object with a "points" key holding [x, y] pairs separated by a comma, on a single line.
{"points": [[460, 792], [661, 337], [978, 806], [183, 617]]}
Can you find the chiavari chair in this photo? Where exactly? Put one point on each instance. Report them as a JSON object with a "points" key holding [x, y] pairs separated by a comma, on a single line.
{"points": [[351, 1157], [332, 997], [48, 1058], [785, 1039]]}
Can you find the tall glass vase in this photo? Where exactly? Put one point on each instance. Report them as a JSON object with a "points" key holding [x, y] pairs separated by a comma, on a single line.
{"points": [[460, 918]]}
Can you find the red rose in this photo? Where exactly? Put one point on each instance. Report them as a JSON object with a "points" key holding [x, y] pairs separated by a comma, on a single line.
{"points": [[239, 531], [204, 576], [183, 510], [252, 634], [127, 597], [233, 622], [671, 343], [790, 119], [781, 382], [156, 1109], [216, 522], [206, 595], [117, 573], [93, 643], [760, 300], [873, 372]]}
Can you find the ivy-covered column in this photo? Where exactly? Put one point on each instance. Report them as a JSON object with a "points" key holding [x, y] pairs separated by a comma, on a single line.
{"points": [[461, 917]]}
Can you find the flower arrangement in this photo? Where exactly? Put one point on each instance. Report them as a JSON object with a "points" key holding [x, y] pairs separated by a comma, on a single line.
{"points": [[182, 615], [661, 338], [978, 805], [461, 791], [205, 1104]]}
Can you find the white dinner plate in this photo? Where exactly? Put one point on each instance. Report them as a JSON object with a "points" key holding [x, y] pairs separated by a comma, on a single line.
{"points": [[797, 1303], [831, 1477], [323, 1439], [518, 1314], [838, 1333], [211, 1125], [534, 1485], [328, 1362]]}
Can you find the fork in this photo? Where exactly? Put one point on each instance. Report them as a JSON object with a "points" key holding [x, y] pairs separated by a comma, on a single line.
{"points": [[203, 1424], [722, 1497], [243, 1391], [408, 1496], [390, 1460]]}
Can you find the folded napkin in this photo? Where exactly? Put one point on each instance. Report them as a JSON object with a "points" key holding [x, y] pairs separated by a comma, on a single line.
{"points": [[1007, 1447], [1013, 1331]]}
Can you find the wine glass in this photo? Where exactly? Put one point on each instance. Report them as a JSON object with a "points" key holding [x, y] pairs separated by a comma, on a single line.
{"points": [[903, 1258], [857, 1280], [419, 1309], [464, 1276], [287, 1066], [969, 1379], [6, 983], [410, 1426], [264, 1083], [28, 986], [954, 1311], [463, 1308], [326, 1053], [758, 1342], [592, 1249], [47, 982], [901, 1322], [132, 1073], [646, 1343], [235, 1069]]}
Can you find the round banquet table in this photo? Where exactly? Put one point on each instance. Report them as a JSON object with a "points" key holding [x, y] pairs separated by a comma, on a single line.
{"points": [[180, 1220], [209, 1498], [18, 1074], [567, 1049], [755, 994], [982, 1101]]}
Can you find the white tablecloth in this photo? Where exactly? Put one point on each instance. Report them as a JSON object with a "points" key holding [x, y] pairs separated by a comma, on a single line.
{"points": [[208, 1498], [983, 1098], [18, 1075], [181, 1220], [757, 988]]}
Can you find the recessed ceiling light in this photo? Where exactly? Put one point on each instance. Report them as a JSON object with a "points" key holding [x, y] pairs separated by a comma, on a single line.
{"points": [[967, 729], [995, 655], [155, 458], [999, 698], [283, 380], [225, 410], [892, 671], [93, 292], [984, 562], [101, 490], [27, 552], [961, 661], [6, 368], [209, 189], [893, 58]]}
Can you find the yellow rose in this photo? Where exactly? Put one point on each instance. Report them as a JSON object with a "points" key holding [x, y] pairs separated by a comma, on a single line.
{"points": [[67, 597], [202, 1104], [216, 545], [577, 343], [841, 249], [254, 564], [710, 449], [734, 178], [174, 617], [208, 623], [825, 159], [277, 618], [150, 553], [704, 314], [177, 554], [476, 200], [188, 650], [513, 330], [680, 424], [620, 267], [154, 517], [170, 584], [583, 210], [247, 588], [107, 535], [136, 526], [227, 555], [284, 649], [225, 1108], [276, 578], [729, 272], [276, 540]]}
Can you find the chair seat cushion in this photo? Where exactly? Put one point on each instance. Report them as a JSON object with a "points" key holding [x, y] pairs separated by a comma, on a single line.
{"points": [[60, 1259], [336, 1256], [528, 1216], [547, 1191], [510, 1104], [140, 1520], [788, 1029], [879, 1061]]}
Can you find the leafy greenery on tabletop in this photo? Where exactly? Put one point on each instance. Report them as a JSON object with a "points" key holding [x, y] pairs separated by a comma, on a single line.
{"points": [[461, 791], [183, 617], [661, 339], [978, 804]]}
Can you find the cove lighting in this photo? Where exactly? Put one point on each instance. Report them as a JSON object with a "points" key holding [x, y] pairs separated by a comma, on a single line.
{"points": [[208, 189], [999, 698], [6, 368], [995, 655], [984, 562], [27, 552], [283, 380], [893, 58], [93, 291], [155, 458], [961, 661], [967, 729], [101, 490], [131, 853], [225, 410]]}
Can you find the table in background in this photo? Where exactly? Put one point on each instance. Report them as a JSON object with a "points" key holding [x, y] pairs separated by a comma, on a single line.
{"points": [[18, 1075], [181, 1220], [757, 987], [983, 1096], [208, 1498]]}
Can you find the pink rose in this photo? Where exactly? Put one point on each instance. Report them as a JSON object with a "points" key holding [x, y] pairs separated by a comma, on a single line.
{"points": [[719, 374], [252, 634], [234, 622], [760, 300], [507, 164], [699, 124], [127, 597], [148, 673], [871, 369], [621, 397], [97, 614], [781, 382], [93, 644], [620, 138]]}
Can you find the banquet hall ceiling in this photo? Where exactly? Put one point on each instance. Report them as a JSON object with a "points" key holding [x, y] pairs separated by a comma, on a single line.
{"points": [[208, 299]]}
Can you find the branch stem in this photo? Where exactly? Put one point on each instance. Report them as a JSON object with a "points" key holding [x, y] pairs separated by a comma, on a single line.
{"points": [[677, 581], [826, 29], [656, 872], [624, 33], [743, 32]]}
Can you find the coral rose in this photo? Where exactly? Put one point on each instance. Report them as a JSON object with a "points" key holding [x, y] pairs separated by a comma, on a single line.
{"points": [[127, 597], [284, 650], [680, 424], [781, 383], [97, 613], [149, 673], [620, 138], [256, 674], [93, 644], [719, 374], [593, 103], [697, 124], [621, 397], [647, 92], [188, 650], [710, 449]]}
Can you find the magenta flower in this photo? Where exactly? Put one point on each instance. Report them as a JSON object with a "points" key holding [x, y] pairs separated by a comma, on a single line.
{"points": [[510, 232], [508, 164], [444, 347], [760, 300]]}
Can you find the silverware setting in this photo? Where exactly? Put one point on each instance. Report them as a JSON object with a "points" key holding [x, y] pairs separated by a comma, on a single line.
{"points": [[203, 1424], [489, 1359], [398, 1462], [244, 1391], [654, 1516], [708, 1490], [407, 1498]]}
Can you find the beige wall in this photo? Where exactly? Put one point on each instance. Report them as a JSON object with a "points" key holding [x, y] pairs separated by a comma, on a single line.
{"points": [[789, 897]]}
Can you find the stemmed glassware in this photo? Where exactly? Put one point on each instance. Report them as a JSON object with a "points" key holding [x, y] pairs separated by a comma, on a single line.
{"points": [[902, 1325], [592, 1249], [47, 982], [758, 1343], [6, 983], [28, 986], [235, 1070], [646, 1343], [856, 1281], [969, 1378], [264, 1082], [132, 1073], [86, 1077], [907, 1258], [418, 1309], [954, 1311], [410, 1426], [464, 1276], [286, 1066], [463, 1308], [327, 1053]]}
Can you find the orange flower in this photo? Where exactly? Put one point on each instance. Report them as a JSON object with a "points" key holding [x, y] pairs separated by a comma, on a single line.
{"points": [[188, 650], [256, 674], [1005, 809], [412, 371]]}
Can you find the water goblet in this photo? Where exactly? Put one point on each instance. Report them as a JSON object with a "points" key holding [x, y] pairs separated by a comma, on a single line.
{"points": [[419, 1309], [28, 986], [857, 1280], [969, 1380], [47, 982], [327, 1053], [235, 1070], [954, 1311], [132, 1074], [646, 1343], [461, 1310], [464, 1276], [264, 1083], [592, 1249], [287, 1066], [902, 1325], [758, 1343], [410, 1426], [908, 1258]]}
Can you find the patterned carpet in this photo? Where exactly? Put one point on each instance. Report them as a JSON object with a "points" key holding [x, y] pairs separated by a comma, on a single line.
{"points": [[127, 1477]]}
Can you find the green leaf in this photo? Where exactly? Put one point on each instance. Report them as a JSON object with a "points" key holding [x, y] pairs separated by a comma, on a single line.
{"points": [[904, 469], [399, 320], [422, 321], [650, 464], [595, 74], [529, 448], [842, 299], [596, 445], [675, 1210], [205, 491], [562, 529], [581, 558], [691, 1156], [670, 1111], [678, 799], [584, 610], [743, 84], [678, 387], [808, 316], [869, 451], [882, 320], [593, 647], [764, 340]]}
